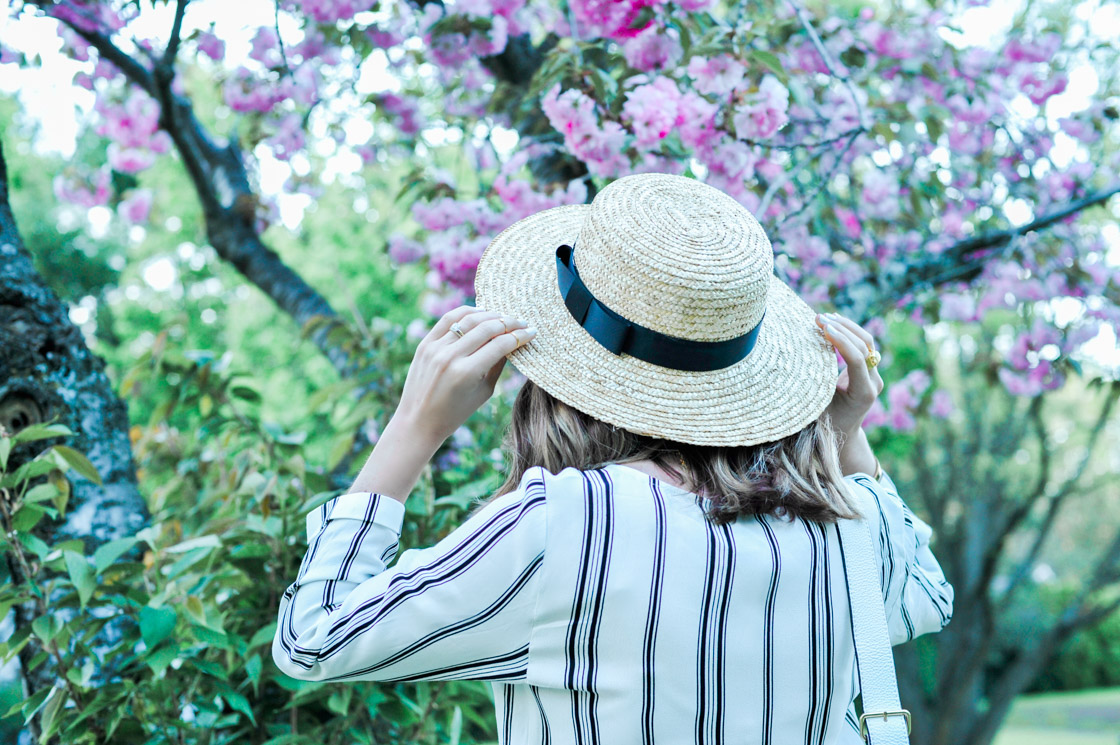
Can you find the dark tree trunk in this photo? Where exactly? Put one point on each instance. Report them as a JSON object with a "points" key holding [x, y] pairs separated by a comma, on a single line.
{"points": [[48, 373]]}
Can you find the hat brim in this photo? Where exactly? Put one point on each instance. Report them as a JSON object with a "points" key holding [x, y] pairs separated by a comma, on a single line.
{"points": [[782, 386]]}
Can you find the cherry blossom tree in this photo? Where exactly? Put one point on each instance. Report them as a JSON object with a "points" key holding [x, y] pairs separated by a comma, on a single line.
{"points": [[902, 169]]}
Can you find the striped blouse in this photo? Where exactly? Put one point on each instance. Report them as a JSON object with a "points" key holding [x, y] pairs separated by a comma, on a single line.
{"points": [[604, 607]]}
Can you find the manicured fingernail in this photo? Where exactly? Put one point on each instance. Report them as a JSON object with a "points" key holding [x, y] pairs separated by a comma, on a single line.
{"points": [[531, 331]]}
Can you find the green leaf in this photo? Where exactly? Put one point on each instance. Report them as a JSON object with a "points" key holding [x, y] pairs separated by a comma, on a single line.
{"points": [[34, 544], [253, 668], [210, 636], [17, 641], [49, 721], [263, 636], [32, 705], [237, 702], [40, 432], [40, 493], [159, 660], [204, 541], [456, 729], [78, 462], [109, 552], [5, 450], [768, 60], [44, 628], [156, 624], [81, 574], [339, 700], [27, 518]]}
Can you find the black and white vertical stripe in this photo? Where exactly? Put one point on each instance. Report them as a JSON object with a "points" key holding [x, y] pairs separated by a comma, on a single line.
{"points": [[588, 606], [711, 646], [605, 609], [653, 612]]}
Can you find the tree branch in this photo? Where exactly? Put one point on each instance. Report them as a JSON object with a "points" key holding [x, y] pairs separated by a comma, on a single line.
{"points": [[172, 50], [222, 185], [1057, 499], [958, 261]]}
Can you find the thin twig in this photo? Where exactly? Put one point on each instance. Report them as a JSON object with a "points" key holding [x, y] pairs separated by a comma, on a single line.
{"points": [[960, 263], [168, 59], [830, 63], [824, 181], [280, 39]]}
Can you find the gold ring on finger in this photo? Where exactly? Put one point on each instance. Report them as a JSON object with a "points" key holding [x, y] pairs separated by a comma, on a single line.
{"points": [[457, 329], [873, 358]]}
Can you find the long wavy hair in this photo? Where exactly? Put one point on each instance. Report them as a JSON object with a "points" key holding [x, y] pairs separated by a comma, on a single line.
{"points": [[797, 476]]}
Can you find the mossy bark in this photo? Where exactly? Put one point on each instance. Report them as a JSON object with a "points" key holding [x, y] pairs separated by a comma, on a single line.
{"points": [[47, 372]]}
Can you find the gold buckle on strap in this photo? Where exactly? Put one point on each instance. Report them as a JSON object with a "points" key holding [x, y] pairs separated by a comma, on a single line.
{"points": [[884, 714]]}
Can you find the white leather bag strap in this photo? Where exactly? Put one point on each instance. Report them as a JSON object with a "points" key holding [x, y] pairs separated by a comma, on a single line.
{"points": [[884, 721]]}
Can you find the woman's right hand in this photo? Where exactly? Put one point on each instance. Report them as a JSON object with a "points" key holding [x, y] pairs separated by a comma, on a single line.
{"points": [[857, 387]]}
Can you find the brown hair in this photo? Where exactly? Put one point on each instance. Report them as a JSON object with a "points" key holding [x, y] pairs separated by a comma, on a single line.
{"points": [[797, 476]]}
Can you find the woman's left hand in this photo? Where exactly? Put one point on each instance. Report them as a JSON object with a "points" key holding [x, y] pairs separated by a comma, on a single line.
{"points": [[451, 377], [858, 385]]}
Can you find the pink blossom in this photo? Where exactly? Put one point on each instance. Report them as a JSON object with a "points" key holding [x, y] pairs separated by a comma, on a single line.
{"points": [[764, 112], [876, 416], [848, 220], [409, 120], [697, 118], [288, 138], [330, 11], [881, 195], [611, 18], [886, 42], [210, 45], [1041, 50], [1017, 384], [302, 86], [652, 111], [386, 37], [266, 47], [941, 405], [9, 56], [958, 306], [245, 92], [130, 159], [135, 208], [1079, 130], [130, 124], [653, 49], [82, 195], [602, 150], [405, 250], [718, 75], [436, 304], [1038, 89]]}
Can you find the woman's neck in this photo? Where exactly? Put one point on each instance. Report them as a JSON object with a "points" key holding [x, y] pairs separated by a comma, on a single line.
{"points": [[652, 469]]}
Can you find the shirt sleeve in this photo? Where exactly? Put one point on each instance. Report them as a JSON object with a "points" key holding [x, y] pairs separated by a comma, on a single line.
{"points": [[917, 598], [461, 609]]}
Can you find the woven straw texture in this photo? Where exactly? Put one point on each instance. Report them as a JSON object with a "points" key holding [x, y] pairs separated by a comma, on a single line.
{"points": [[683, 258]]}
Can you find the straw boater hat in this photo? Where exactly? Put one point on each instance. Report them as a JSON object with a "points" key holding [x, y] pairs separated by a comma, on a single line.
{"points": [[657, 311]]}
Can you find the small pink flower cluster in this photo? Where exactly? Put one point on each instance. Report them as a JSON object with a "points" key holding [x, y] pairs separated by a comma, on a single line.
{"points": [[904, 398], [329, 11], [135, 208], [1030, 369], [764, 112], [574, 115], [406, 112], [93, 191]]}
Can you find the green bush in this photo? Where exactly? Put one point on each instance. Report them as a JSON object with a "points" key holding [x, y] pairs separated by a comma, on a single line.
{"points": [[1090, 659], [196, 593]]}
